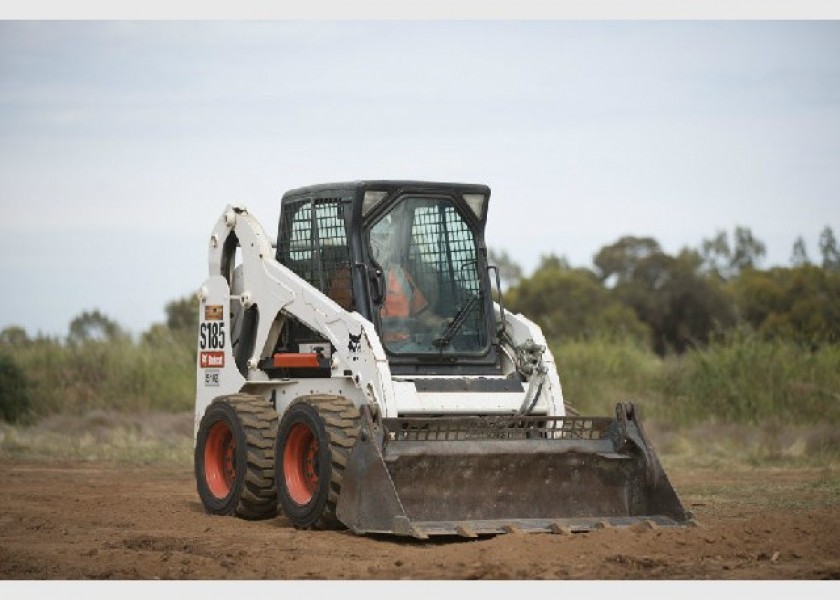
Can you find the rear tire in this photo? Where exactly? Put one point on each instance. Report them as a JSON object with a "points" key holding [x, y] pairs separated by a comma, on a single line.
{"points": [[314, 441], [234, 457]]}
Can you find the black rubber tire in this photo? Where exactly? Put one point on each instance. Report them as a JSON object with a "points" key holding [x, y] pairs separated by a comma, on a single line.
{"points": [[250, 422], [334, 422]]}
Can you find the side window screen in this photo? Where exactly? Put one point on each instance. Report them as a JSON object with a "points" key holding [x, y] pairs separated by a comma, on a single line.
{"points": [[313, 244], [443, 249], [296, 243], [333, 253], [300, 238]]}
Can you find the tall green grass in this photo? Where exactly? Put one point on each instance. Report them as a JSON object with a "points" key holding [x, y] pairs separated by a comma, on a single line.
{"points": [[743, 379], [120, 375], [597, 373], [750, 380]]}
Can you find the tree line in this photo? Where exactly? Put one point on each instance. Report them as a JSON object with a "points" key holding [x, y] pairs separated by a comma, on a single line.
{"points": [[675, 302]]}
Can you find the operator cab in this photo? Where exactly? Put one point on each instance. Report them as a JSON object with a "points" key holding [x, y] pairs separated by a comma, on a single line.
{"points": [[410, 257]]}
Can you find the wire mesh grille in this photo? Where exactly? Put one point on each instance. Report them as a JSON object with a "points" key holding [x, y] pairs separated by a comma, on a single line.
{"points": [[440, 429], [443, 256], [313, 244]]}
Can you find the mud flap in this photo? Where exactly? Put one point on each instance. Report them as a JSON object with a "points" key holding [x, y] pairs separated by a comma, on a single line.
{"points": [[482, 475]]}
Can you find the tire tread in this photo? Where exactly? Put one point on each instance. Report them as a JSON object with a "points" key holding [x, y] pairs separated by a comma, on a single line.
{"points": [[342, 421], [258, 419]]}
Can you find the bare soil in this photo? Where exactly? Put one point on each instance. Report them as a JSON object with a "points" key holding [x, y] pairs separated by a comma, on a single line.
{"points": [[81, 520]]}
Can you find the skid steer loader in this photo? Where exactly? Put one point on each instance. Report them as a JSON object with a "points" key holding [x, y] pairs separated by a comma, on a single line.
{"points": [[358, 373]]}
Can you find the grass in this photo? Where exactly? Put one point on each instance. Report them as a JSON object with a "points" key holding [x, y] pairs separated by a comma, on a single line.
{"points": [[119, 375], [748, 380], [596, 374], [743, 380], [779, 488], [152, 438], [742, 445], [742, 402]]}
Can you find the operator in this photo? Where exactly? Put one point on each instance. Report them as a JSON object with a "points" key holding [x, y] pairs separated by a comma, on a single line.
{"points": [[405, 309]]}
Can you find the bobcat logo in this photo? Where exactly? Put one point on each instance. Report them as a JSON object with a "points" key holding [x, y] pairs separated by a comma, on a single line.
{"points": [[355, 344]]}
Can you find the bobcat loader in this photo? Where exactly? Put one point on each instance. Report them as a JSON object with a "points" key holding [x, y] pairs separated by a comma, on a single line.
{"points": [[358, 373]]}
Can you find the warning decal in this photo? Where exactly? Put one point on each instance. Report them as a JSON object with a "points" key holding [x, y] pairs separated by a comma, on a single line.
{"points": [[213, 312]]}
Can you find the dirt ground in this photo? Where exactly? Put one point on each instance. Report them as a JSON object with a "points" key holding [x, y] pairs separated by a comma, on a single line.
{"points": [[80, 521]]}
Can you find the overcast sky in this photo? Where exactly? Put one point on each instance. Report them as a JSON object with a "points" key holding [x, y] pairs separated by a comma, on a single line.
{"points": [[121, 142]]}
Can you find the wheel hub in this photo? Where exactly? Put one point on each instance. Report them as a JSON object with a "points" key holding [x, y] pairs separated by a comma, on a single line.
{"points": [[300, 464], [220, 460]]}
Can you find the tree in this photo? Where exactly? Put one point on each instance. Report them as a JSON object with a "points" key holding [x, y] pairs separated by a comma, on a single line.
{"points": [[182, 314], [14, 395], [717, 255], [799, 256], [93, 326], [572, 303], [181, 326], [748, 250], [14, 336], [552, 261], [683, 305], [510, 273], [619, 260], [728, 260], [828, 249], [801, 303]]}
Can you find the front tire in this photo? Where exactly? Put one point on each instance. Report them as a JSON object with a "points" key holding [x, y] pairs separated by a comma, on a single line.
{"points": [[234, 457], [314, 440]]}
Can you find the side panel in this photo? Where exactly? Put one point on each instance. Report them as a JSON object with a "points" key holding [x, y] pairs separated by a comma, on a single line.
{"points": [[216, 372]]}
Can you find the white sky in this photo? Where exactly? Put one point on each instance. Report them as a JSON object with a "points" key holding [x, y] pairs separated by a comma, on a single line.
{"points": [[121, 142]]}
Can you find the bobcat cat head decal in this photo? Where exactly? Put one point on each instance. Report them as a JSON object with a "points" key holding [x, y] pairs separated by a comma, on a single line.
{"points": [[355, 344]]}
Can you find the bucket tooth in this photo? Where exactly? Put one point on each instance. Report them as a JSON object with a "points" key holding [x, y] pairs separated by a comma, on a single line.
{"points": [[466, 531], [560, 529], [403, 526], [511, 528]]}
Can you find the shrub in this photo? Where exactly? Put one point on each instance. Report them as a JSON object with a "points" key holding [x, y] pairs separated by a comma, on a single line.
{"points": [[14, 392]]}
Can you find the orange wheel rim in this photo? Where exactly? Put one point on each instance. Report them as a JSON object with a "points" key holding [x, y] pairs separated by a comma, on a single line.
{"points": [[219, 460], [300, 464]]}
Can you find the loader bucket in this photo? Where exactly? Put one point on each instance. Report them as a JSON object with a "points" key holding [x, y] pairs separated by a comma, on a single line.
{"points": [[469, 476]]}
